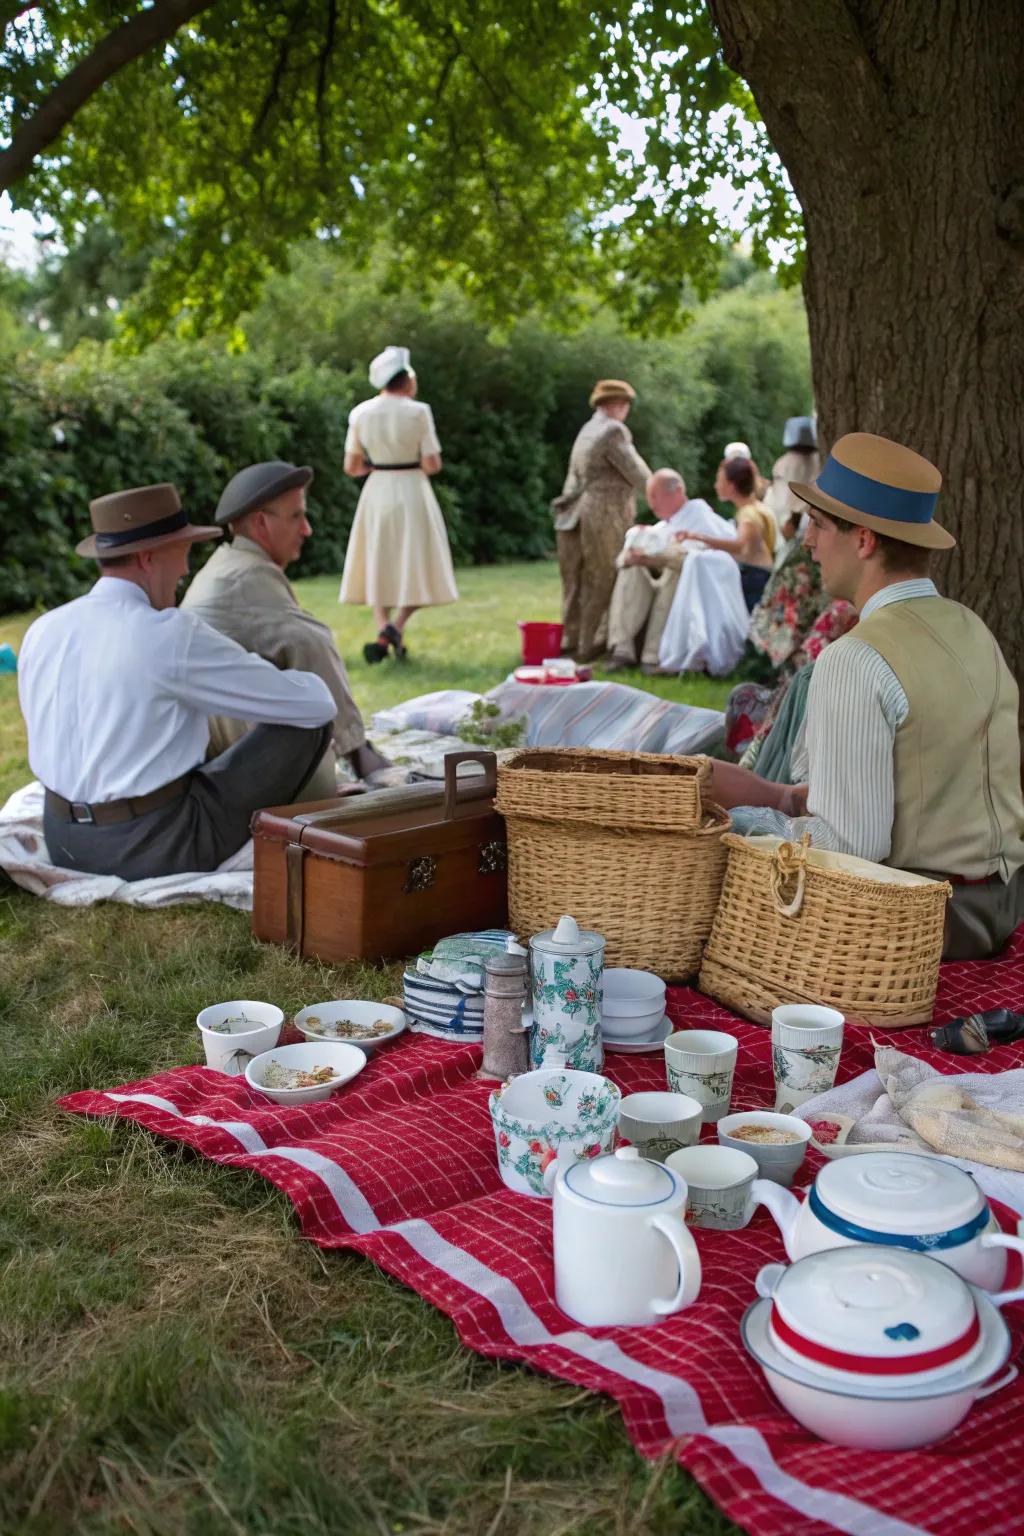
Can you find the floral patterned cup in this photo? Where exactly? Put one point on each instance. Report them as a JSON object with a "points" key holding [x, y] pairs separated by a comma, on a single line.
{"points": [[701, 1063], [543, 1118], [806, 1042]]}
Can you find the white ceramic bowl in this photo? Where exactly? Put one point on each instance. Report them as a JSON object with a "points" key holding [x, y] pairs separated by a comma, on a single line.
{"points": [[327, 1015], [542, 1116], [234, 1032], [632, 1002], [872, 1418], [346, 1060], [777, 1161]]}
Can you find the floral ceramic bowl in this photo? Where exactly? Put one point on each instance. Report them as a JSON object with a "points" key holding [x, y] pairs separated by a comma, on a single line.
{"points": [[546, 1117]]}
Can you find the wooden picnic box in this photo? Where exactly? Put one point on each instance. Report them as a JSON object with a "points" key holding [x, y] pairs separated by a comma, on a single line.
{"points": [[382, 874]]}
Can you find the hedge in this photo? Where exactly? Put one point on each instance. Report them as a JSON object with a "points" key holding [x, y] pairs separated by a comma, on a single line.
{"points": [[507, 409]]}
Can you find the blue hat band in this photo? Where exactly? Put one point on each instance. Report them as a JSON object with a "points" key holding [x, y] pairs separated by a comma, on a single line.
{"points": [[874, 497]]}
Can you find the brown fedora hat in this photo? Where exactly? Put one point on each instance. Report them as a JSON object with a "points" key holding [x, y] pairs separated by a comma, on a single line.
{"points": [[127, 522], [611, 389], [880, 485]]}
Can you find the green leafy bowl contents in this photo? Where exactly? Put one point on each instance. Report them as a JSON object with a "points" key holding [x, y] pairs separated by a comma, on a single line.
{"points": [[303, 1074], [364, 1024]]}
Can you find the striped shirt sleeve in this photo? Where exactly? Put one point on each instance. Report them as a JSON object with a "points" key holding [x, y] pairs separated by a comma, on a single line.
{"points": [[854, 706]]}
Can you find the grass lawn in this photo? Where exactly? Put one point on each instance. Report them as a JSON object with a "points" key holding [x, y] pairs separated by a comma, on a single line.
{"points": [[174, 1358]]}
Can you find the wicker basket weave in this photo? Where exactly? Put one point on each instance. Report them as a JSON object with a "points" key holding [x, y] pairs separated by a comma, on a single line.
{"points": [[638, 859], [615, 789], [796, 925]]}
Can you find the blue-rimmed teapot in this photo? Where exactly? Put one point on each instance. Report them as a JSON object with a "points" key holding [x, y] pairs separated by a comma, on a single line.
{"points": [[896, 1200]]}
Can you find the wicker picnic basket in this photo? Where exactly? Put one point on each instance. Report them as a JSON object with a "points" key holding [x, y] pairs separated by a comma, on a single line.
{"points": [[624, 841], [796, 924]]}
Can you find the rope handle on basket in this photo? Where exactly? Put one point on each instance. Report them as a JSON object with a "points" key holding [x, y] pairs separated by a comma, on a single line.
{"points": [[788, 860]]}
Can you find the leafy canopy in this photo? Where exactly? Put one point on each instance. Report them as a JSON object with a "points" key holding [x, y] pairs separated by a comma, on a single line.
{"points": [[481, 139]]}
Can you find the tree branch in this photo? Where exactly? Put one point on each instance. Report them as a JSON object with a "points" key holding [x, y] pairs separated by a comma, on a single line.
{"points": [[129, 41]]}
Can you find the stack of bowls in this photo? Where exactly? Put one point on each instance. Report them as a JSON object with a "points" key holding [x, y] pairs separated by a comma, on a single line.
{"points": [[632, 1005]]}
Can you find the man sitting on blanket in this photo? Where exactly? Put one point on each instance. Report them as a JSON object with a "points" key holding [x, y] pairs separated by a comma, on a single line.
{"points": [[243, 591], [911, 752], [116, 689], [649, 564]]}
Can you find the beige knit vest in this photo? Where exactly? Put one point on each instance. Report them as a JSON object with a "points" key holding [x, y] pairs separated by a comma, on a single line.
{"points": [[959, 809]]}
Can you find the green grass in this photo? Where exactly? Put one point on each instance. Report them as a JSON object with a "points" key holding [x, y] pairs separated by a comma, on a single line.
{"points": [[174, 1358]]}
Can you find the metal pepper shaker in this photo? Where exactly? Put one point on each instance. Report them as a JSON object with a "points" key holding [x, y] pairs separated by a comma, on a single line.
{"points": [[506, 1037]]}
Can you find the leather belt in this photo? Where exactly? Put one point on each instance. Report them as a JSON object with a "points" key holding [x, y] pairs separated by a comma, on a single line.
{"points": [[108, 812], [396, 466]]}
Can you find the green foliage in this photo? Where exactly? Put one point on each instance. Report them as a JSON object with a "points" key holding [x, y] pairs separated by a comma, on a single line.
{"points": [[507, 407], [481, 137], [479, 727]]}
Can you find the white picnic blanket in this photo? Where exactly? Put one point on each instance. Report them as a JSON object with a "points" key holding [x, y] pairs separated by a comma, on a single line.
{"points": [[415, 735], [24, 857]]}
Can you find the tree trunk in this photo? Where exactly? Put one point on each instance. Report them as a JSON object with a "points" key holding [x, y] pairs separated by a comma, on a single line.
{"points": [[900, 124]]}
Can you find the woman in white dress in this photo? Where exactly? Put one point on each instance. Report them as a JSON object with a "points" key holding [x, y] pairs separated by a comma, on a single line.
{"points": [[398, 556]]}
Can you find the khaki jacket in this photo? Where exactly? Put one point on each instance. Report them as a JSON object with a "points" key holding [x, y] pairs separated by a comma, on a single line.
{"points": [[605, 471], [243, 594]]}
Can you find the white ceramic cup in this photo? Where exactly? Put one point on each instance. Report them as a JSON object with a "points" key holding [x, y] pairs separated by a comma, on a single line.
{"points": [[701, 1063], [235, 1032], [659, 1123], [778, 1161], [806, 1043], [719, 1181]]}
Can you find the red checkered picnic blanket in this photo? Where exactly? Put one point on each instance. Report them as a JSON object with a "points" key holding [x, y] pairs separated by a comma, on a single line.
{"points": [[401, 1166]]}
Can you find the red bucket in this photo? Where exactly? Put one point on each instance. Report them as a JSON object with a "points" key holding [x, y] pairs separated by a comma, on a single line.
{"points": [[540, 641]]}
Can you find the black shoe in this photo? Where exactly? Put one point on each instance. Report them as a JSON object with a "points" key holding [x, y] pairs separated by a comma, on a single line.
{"points": [[373, 651], [394, 637]]}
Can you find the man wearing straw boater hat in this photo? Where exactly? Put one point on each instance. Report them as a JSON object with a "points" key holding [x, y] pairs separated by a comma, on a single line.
{"points": [[592, 514], [116, 688], [912, 753]]}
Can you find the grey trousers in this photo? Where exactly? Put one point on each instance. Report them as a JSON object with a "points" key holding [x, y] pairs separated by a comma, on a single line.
{"points": [[980, 919], [269, 765]]}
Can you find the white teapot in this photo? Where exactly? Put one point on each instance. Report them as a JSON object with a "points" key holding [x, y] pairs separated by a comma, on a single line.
{"points": [[623, 1254], [896, 1200]]}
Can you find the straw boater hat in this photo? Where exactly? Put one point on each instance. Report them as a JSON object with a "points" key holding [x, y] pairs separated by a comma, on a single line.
{"points": [[879, 485], [606, 390], [254, 486], [127, 522], [387, 363]]}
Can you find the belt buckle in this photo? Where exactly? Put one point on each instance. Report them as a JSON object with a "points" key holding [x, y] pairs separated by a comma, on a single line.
{"points": [[81, 814]]}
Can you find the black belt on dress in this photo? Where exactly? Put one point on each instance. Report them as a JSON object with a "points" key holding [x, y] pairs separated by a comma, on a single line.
{"points": [[106, 813], [393, 466]]}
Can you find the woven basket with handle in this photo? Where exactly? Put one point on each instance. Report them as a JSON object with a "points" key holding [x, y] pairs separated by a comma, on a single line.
{"points": [[622, 841], [798, 925]]}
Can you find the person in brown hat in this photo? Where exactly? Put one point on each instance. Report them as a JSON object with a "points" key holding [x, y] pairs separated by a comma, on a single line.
{"points": [[592, 514], [911, 754], [116, 689], [243, 592]]}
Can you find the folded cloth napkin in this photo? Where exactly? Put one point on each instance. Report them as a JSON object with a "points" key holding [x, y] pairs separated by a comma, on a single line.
{"points": [[975, 1117], [459, 959]]}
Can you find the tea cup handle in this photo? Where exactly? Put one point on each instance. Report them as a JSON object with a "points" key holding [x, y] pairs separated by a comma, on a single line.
{"points": [[768, 1278], [563, 1158], [689, 1266], [1016, 1245], [1010, 1374]]}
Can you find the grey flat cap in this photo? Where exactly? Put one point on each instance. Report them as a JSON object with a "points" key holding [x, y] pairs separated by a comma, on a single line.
{"points": [[800, 432], [255, 486]]}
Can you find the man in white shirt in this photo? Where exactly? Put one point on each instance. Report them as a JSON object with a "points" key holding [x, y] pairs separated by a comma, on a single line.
{"points": [[243, 592], [648, 566], [116, 689], [911, 752]]}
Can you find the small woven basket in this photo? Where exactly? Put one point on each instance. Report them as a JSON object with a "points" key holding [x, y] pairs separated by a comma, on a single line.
{"points": [[616, 789], [799, 925], [628, 851]]}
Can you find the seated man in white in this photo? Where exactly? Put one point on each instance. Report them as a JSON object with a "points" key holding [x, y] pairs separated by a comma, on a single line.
{"points": [[649, 565], [116, 689]]}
